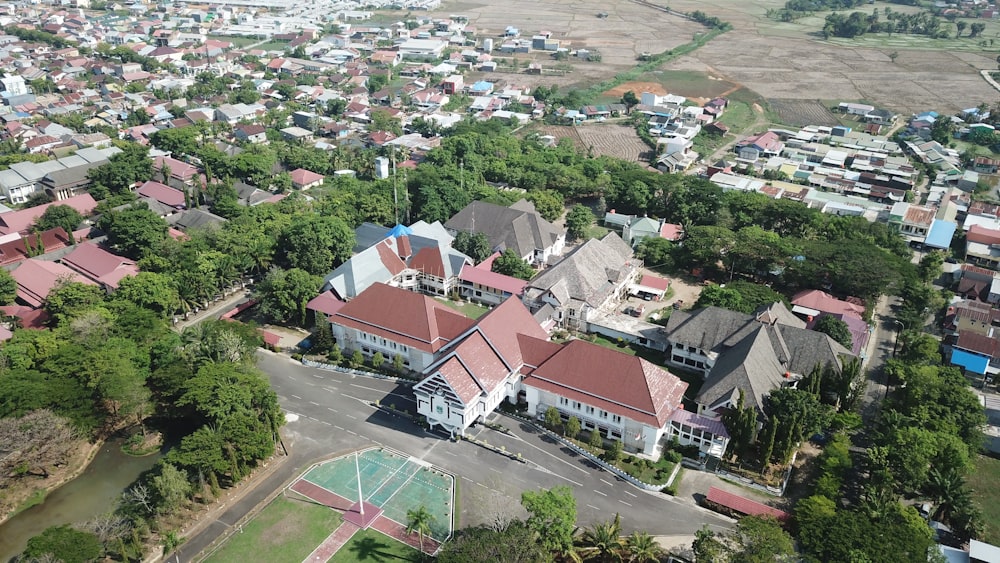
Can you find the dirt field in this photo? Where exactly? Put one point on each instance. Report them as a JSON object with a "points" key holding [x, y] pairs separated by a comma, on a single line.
{"points": [[802, 112], [629, 30], [638, 88], [776, 60], [604, 139], [784, 62]]}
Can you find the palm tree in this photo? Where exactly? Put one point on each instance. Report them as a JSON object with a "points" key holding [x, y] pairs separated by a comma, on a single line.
{"points": [[419, 521], [947, 489], [603, 541], [642, 548]]}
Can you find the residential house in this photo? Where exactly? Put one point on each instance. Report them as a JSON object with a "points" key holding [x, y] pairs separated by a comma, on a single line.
{"points": [[985, 165], [251, 133], [977, 354], [814, 304], [635, 229], [395, 321], [22, 248], [755, 353], [982, 246], [297, 134], [21, 221], [518, 227], [913, 221], [36, 278], [764, 145], [303, 179], [99, 265], [162, 194], [594, 277]]}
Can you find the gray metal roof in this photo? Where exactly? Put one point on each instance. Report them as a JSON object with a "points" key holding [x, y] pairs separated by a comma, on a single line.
{"points": [[518, 227]]}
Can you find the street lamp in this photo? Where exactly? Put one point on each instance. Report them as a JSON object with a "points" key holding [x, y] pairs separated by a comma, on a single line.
{"points": [[896, 341]]}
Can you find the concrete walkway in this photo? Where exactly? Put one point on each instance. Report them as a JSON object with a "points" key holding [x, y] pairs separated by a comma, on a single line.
{"points": [[332, 543]]}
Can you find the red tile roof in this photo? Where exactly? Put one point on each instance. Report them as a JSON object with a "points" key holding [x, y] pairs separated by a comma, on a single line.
{"points": [[303, 177], [36, 278], [655, 282], [17, 250], [744, 505], [492, 280], [30, 318], [99, 265], [21, 220], [983, 235], [618, 383], [162, 193], [826, 303], [402, 316], [428, 260], [975, 342], [326, 303]]}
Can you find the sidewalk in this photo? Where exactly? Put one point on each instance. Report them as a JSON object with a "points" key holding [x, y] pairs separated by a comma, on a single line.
{"points": [[332, 543], [214, 309]]}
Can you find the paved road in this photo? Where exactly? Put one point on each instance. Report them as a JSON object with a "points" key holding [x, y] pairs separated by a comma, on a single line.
{"points": [[880, 349], [333, 415]]}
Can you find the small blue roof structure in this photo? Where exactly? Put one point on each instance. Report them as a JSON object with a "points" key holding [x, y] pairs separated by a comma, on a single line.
{"points": [[940, 234], [399, 231], [975, 363], [481, 86]]}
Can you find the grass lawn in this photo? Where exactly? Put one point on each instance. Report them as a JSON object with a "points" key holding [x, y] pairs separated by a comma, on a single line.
{"points": [[984, 480], [286, 530], [238, 41], [470, 310], [369, 545], [655, 474]]}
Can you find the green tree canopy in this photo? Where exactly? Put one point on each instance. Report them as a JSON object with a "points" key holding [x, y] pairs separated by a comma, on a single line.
{"points": [[59, 216], [315, 244], [552, 517], [473, 245], [548, 203], [64, 544], [283, 294], [835, 329], [510, 264], [8, 288], [133, 231], [124, 169], [578, 221]]}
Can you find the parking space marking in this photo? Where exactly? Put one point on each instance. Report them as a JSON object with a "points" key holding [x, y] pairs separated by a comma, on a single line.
{"points": [[352, 432], [592, 506], [296, 397], [631, 495], [314, 403], [600, 493], [351, 416], [623, 502], [331, 409], [606, 483]]}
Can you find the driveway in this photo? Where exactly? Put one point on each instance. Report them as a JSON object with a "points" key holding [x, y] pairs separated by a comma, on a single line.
{"points": [[334, 415]]}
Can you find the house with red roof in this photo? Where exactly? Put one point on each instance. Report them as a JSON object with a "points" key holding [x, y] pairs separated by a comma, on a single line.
{"points": [[99, 265], [303, 179], [33, 244], [163, 194], [20, 221], [36, 278]]}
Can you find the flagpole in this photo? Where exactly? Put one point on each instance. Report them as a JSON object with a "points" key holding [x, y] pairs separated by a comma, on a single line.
{"points": [[361, 497]]}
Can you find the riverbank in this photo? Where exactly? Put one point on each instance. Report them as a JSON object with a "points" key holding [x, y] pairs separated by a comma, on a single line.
{"points": [[14, 498]]}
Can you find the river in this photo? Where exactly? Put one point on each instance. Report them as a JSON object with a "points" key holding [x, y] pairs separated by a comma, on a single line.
{"points": [[96, 491]]}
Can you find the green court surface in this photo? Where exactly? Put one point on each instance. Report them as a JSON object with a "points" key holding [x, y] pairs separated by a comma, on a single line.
{"points": [[286, 530], [392, 482]]}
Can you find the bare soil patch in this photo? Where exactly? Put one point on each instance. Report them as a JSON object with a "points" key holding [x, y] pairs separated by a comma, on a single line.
{"points": [[802, 112], [638, 88]]}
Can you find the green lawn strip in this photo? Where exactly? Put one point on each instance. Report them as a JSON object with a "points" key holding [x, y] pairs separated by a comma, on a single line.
{"points": [[369, 545], [654, 473], [984, 480], [238, 41], [470, 310], [286, 530]]}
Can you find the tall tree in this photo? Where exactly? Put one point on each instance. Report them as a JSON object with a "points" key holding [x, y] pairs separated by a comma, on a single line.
{"points": [[552, 516], [63, 543], [315, 244], [283, 294], [578, 221], [510, 264], [133, 231], [419, 520], [124, 169], [8, 287], [60, 216], [473, 245], [835, 329]]}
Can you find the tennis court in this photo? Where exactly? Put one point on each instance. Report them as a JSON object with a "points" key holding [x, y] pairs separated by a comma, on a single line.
{"points": [[394, 483]]}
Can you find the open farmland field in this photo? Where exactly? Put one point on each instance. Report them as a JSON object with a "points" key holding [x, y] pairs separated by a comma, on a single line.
{"points": [[785, 61], [802, 112], [603, 139], [629, 30]]}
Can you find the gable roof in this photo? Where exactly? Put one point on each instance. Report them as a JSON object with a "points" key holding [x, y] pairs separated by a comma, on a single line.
{"points": [[99, 265], [21, 220], [36, 278], [518, 227], [162, 193], [303, 177], [589, 273], [610, 380], [826, 303], [402, 316]]}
